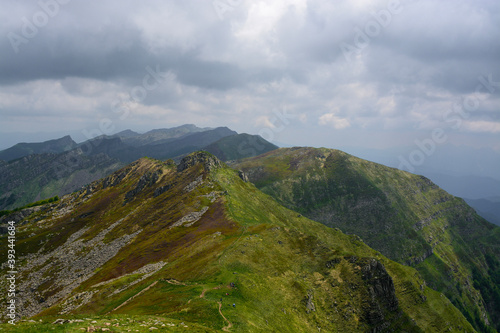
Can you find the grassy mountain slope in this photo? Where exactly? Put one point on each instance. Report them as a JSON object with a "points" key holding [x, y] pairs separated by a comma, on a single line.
{"points": [[24, 149], [42, 176], [404, 216], [179, 245], [239, 146]]}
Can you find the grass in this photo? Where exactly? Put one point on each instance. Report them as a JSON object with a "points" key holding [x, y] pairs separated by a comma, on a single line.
{"points": [[404, 216], [114, 323], [275, 257]]}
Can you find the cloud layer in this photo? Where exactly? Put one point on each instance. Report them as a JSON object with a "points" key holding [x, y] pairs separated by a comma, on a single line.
{"points": [[339, 69]]}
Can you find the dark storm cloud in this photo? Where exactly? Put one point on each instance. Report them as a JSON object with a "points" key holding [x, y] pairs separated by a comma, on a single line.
{"points": [[104, 51], [258, 56], [66, 56], [101, 58], [418, 44]]}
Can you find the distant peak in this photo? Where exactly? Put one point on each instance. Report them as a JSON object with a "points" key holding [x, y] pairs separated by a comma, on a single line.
{"points": [[126, 133]]}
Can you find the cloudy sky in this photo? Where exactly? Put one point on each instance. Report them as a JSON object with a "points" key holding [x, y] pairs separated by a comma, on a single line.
{"points": [[374, 74]]}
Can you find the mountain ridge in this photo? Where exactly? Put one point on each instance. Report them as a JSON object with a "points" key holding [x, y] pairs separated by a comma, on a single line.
{"points": [[66, 172], [51, 146], [405, 216], [174, 239]]}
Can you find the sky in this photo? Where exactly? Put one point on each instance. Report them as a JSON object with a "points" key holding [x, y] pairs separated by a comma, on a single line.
{"points": [[366, 74]]}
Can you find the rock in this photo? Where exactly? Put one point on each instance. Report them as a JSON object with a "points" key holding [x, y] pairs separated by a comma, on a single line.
{"points": [[17, 217], [413, 261], [148, 179], [60, 321], [382, 293], [194, 184], [332, 263], [189, 219], [162, 189], [309, 303], [208, 161], [77, 268], [115, 178], [243, 176]]}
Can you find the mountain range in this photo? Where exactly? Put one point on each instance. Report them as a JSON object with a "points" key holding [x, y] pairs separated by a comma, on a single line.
{"points": [[242, 236], [34, 171]]}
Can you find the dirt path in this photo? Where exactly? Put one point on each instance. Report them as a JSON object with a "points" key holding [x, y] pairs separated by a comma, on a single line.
{"points": [[225, 328], [131, 298], [175, 282], [203, 293]]}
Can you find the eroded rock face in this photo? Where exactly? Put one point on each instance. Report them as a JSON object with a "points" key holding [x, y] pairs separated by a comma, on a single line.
{"points": [[148, 179], [18, 216], [243, 176], [309, 303], [381, 292], [71, 264], [162, 189], [378, 305], [209, 161]]}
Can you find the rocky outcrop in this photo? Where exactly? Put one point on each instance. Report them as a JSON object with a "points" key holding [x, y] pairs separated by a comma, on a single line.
{"points": [[208, 161], [162, 189], [381, 290], [333, 263], [378, 306], [19, 215], [243, 176], [115, 178], [418, 259], [189, 219], [194, 184], [146, 180], [309, 303]]}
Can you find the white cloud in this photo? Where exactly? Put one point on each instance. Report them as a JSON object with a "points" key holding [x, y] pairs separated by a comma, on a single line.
{"points": [[264, 121], [334, 121], [482, 126]]}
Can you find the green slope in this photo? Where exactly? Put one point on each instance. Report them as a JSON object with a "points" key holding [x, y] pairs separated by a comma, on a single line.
{"points": [[42, 176], [182, 244], [404, 216]]}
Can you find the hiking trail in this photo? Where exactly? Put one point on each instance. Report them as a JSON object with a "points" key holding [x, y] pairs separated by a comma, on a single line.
{"points": [[225, 328]]}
